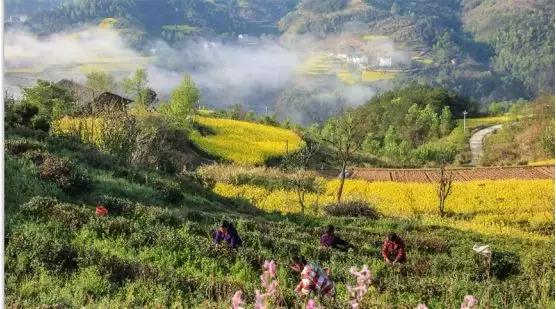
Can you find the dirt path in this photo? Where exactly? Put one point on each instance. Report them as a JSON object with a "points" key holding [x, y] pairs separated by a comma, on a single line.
{"points": [[460, 174], [476, 143]]}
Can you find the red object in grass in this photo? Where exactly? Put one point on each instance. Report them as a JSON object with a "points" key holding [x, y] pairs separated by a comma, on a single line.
{"points": [[101, 211]]}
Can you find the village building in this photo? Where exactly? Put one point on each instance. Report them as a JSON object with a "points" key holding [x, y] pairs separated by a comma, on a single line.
{"points": [[92, 102]]}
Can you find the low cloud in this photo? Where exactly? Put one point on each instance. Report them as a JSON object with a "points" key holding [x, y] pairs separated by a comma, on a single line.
{"points": [[251, 71]]}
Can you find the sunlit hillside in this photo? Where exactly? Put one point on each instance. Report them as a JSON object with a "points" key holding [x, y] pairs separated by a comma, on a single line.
{"points": [[244, 142]]}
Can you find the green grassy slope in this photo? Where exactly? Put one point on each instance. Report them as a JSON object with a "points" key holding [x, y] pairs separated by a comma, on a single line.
{"points": [[154, 249]]}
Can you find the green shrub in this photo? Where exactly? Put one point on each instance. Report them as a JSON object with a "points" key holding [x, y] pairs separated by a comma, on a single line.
{"points": [[116, 269], [39, 206], [22, 183], [35, 156], [156, 214], [116, 205], [505, 264], [33, 247], [21, 146], [352, 209], [64, 173], [41, 123], [169, 190], [70, 215]]}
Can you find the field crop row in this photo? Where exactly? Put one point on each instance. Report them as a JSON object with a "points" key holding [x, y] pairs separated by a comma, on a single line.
{"points": [[517, 208]]}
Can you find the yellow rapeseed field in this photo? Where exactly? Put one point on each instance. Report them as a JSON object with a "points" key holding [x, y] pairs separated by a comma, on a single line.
{"points": [[373, 76], [517, 208], [245, 142], [89, 129]]}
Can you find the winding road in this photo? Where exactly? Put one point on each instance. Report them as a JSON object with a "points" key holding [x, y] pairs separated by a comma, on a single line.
{"points": [[476, 143]]}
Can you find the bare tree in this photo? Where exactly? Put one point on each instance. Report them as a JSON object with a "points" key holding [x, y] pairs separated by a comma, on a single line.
{"points": [[444, 189], [300, 179], [345, 137]]}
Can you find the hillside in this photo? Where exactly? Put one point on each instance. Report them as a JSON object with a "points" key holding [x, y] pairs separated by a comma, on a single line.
{"points": [[173, 20], [154, 247], [243, 142], [106, 205], [484, 49]]}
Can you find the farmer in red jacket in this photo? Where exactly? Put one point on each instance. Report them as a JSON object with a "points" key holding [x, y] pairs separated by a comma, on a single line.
{"points": [[393, 250]]}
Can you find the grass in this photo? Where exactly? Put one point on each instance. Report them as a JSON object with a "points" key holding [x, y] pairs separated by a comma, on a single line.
{"points": [[159, 254], [541, 162], [373, 76], [244, 142], [473, 123]]}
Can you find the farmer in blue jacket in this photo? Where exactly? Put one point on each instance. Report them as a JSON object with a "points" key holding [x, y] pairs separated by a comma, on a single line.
{"points": [[226, 232]]}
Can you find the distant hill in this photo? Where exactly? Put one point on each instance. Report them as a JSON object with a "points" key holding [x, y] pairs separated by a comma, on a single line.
{"points": [[488, 50]]}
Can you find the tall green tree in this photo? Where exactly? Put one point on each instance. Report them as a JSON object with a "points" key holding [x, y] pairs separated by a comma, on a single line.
{"points": [[183, 103], [52, 101], [137, 87], [101, 82]]}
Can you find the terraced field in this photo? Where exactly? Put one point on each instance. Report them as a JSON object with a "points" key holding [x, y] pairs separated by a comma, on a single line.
{"points": [[459, 174]]}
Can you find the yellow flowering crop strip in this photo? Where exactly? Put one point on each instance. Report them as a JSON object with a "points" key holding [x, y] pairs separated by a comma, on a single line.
{"points": [[245, 142], [88, 129], [494, 207]]}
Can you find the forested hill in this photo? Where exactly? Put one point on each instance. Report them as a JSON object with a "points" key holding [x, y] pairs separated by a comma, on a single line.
{"points": [[168, 19], [487, 49]]}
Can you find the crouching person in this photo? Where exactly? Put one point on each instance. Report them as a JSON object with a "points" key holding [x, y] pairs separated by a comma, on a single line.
{"points": [[313, 278], [227, 233], [393, 250], [331, 240]]}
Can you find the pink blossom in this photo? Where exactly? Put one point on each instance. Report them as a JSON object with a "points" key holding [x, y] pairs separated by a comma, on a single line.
{"points": [[311, 304], [421, 306], [237, 302], [364, 279], [270, 267], [260, 300], [469, 302]]}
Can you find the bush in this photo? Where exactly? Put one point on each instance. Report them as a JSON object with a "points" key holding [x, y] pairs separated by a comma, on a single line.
{"points": [[505, 264], [189, 179], [35, 247], [41, 123], [20, 146], [116, 205], [35, 156], [39, 206], [64, 173], [72, 216], [352, 209], [169, 190]]}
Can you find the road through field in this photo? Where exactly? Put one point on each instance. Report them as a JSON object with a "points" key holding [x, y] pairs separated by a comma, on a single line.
{"points": [[476, 143], [459, 174]]}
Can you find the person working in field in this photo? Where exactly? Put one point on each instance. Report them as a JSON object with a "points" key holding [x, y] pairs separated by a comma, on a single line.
{"points": [[313, 278], [331, 240], [393, 250], [226, 232]]}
